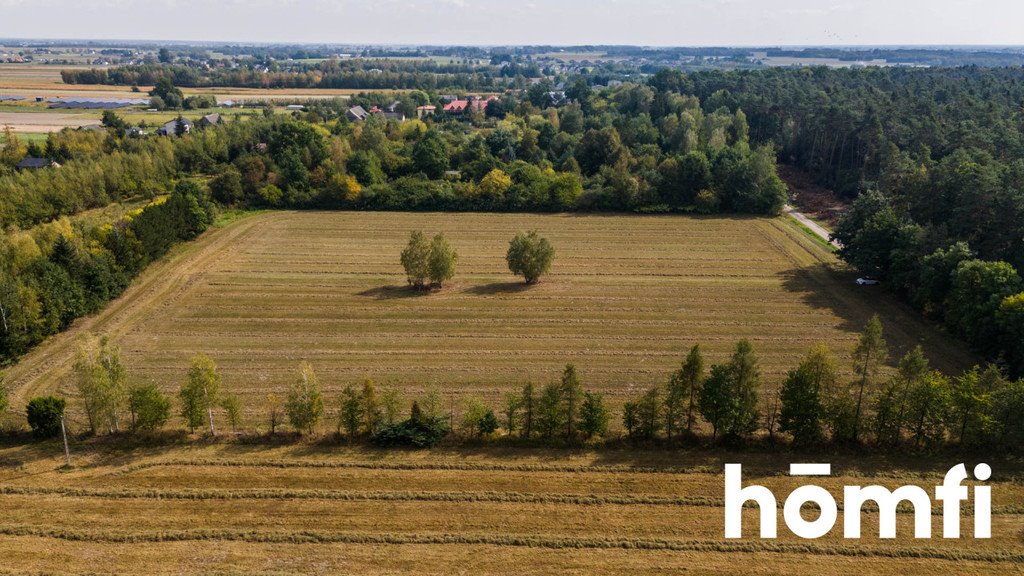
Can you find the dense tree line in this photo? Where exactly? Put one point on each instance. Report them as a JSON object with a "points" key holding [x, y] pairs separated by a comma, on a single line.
{"points": [[55, 273], [934, 160]]}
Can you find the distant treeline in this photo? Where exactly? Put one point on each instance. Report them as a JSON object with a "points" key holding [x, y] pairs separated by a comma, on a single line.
{"points": [[366, 74]]}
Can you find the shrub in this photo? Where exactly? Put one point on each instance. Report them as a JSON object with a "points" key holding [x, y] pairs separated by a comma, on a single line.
{"points": [[416, 432], [44, 415]]}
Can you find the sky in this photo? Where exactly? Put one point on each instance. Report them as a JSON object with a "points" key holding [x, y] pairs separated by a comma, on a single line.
{"points": [[497, 22]]}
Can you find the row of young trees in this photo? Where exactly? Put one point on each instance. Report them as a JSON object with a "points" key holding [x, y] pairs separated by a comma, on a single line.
{"points": [[913, 405]]}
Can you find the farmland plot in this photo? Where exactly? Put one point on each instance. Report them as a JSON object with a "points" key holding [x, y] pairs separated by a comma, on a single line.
{"points": [[306, 509], [626, 298]]}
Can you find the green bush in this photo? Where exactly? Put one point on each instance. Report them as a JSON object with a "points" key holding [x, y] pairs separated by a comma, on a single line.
{"points": [[44, 415], [415, 432]]}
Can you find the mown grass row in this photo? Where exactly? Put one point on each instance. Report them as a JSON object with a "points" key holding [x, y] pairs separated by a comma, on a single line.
{"points": [[422, 496], [360, 495], [455, 466], [316, 537], [506, 467]]}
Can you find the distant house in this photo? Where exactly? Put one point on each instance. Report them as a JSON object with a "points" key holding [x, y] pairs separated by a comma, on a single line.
{"points": [[134, 132], [295, 107], [396, 116], [422, 111], [36, 163], [456, 107], [481, 103], [357, 114], [209, 120], [393, 107], [446, 98], [171, 128]]}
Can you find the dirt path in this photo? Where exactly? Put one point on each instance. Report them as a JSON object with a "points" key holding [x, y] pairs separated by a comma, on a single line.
{"points": [[818, 229], [47, 366]]}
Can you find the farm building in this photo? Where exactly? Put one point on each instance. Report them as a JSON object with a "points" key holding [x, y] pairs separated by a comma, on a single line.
{"points": [[422, 111], [357, 114], [209, 120], [30, 163], [171, 128]]}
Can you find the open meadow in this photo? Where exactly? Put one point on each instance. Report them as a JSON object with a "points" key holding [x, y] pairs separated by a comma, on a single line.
{"points": [[627, 296], [326, 509]]}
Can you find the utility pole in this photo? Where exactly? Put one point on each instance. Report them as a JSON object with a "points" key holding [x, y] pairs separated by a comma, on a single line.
{"points": [[64, 433]]}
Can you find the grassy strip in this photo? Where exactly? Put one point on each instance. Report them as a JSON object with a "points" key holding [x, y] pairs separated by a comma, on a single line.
{"points": [[496, 467], [406, 496], [813, 235], [386, 496], [315, 537], [467, 466]]}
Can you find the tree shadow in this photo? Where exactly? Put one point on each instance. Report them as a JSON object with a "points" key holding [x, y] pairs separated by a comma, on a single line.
{"points": [[825, 288], [393, 292], [499, 288]]}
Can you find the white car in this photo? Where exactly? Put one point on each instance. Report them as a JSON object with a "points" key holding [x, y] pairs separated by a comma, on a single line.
{"points": [[867, 281]]}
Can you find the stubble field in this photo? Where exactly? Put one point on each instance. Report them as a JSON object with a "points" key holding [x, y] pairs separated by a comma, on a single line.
{"points": [[328, 510], [626, 298]]}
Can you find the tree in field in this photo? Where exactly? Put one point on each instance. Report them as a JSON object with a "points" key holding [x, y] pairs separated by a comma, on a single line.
{"points": [[928, 408], [416, 260], [390, 405], [512, 407], [102, 382], [275, 411], [868, 357], [305, 405], [350, 417], [529, 401], [803, 393], [971, 404], [232, 410], [594, 416], [550, 416], [488, 424], [649, 414], [44, 415], [681, 400], [630, 419], [892, 405], [746, 377], [716, 401], [372, 414], [530, 256], [1007, 428], [150, 409], [442, 260], [200, 393], [572, 395]]}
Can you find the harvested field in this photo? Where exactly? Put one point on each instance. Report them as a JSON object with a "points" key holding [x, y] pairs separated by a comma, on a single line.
{"points": [[43, 122], [324, 510], [626, 298]]}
